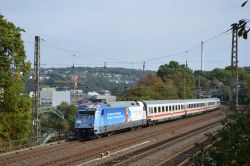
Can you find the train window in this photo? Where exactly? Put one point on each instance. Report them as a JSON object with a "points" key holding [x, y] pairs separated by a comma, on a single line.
{"points": [[150, 110], [176, 107], [166, 108], [163, 109], [102, 112], [173, 108], [169, 108], [155, 110], [179, 107], [159, 109]]}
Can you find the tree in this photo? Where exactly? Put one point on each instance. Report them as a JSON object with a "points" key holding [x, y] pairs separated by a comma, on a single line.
{"points": [[149, 87], [183, 78], [231, 145], [15, 108], [243, 29], [69, 112]]}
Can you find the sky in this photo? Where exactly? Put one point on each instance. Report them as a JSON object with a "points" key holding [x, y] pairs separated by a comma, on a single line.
{"points": [[125, 33]]}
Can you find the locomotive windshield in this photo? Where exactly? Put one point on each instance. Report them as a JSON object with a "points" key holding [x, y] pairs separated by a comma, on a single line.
{"points": [[87, 111]]}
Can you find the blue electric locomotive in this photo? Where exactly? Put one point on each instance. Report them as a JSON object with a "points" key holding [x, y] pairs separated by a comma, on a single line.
{"points": [[95, 120]]}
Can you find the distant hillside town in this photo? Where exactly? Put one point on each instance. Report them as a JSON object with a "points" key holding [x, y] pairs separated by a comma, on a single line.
{"points": [[101, 83]]}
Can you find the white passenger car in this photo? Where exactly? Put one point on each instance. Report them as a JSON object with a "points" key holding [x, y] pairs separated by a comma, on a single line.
{"points": [[163, 110]]}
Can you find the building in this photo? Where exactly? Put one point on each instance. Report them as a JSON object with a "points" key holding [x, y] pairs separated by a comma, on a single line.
{"points": [[80, 95], [52, 98], [103, 95]]}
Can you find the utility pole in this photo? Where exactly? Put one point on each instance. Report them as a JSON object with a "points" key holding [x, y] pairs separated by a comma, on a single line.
{"points": [[199, 81], [184, 82], [143, 67], [202, 43], [234, 67], [105, 65], [74, 79], [36, 105], [132, 66]]}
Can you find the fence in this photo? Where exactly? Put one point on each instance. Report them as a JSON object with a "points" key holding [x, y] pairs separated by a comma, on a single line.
{"points": [[33, 141]]}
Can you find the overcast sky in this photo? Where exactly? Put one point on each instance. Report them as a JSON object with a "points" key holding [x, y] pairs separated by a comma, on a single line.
{"points": [[124, 33]]}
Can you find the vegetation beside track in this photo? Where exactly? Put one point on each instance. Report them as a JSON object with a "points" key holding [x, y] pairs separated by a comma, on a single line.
{"points": [[233, 145]]}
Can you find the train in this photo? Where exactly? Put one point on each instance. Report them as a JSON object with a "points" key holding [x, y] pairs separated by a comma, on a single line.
{"points": [[95, 120]]}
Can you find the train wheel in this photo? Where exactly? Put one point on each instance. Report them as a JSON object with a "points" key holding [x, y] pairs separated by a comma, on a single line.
{"points": [[98, 136], [109, 134]]}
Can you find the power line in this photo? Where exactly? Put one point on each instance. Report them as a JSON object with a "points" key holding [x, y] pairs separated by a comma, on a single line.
{"points": [[100, 59], [174, 54], [190, 49], [75, 51]]}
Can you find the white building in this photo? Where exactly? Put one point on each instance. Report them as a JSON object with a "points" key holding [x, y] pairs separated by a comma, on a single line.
{"points": [[54, 98]]}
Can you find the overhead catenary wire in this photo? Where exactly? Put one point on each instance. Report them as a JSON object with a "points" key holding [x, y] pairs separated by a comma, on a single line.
{"points": [[100, 59], [75, 51], [190, 49]]}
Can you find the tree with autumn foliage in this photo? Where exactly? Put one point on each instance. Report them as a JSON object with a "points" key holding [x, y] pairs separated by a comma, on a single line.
{"points": [[149, 87], [169, 83]]}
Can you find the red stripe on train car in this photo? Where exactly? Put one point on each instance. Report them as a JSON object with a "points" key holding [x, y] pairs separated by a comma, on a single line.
{"points": [[190, 110]]}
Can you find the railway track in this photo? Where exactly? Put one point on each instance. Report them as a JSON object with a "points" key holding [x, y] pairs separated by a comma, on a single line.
{"points": [[77, 152], [33, 153], [183, 158], [95, 152], [141, 153]]}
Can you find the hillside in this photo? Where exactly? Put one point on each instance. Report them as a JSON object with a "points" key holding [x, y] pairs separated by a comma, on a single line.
{"points": [[115, 80]]}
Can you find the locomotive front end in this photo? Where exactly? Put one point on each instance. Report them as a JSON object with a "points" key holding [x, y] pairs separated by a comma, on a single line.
{"points": [[84, 122]]}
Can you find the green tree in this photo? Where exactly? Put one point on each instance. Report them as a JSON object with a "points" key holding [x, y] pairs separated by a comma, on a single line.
{"points": [[15, 108], [169, 90], [69, 112], [231, 145], [182, 78]]}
